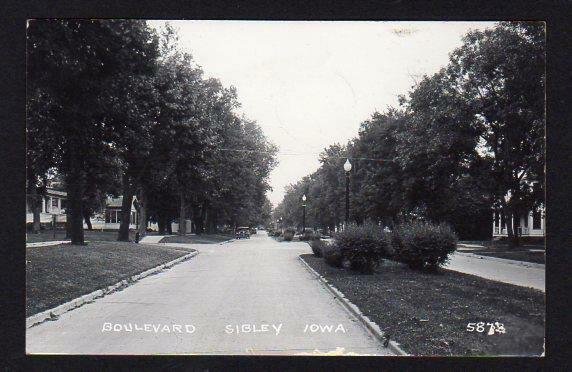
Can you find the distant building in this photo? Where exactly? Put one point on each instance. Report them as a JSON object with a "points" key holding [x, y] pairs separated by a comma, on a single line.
{"points": [[530, 224], [112, 214], [53, 203]]}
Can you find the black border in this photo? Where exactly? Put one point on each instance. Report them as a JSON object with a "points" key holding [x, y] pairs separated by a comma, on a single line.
{"points": [[12, 160]]}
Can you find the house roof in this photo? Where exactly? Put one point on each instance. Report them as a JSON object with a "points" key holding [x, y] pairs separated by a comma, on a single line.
{"points": [[53, 192], [112, 202]]}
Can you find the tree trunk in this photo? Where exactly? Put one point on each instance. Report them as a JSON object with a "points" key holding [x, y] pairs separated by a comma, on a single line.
{"points": [[203, 217], [87, 219], [36, 207], [210, 221], [515, 241], [126, 203], [67, 224], [182, 216], [142, 217], [161, 222], [75, 196], [37, 222], [169, 225], [509, 230]]}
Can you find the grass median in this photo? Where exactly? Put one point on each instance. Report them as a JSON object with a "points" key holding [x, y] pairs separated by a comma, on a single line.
{"points": [[60, 273], [428, 313], [89, 235]]}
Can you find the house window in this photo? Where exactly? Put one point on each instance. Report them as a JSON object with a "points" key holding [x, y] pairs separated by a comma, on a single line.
{"points": [[525, 220], [112, 216], [536, 220], [54, 202]]}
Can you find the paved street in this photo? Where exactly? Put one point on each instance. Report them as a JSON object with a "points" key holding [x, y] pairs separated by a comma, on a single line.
{"points": [[244, 297], [508, 271]]}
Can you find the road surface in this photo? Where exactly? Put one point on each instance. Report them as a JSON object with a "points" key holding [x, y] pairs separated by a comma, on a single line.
{"points": [[244, 297]]}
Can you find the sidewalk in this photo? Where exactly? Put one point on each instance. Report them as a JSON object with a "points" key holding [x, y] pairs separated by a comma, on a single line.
{"points": [[152, 239], [46, 243], [520, 273]]}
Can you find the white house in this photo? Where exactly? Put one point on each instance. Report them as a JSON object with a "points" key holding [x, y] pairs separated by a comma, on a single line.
{"points": [[53, 203], [530, 224], [112, 215]]}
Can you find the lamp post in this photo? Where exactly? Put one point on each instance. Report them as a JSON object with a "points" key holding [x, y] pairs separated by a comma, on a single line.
{"points": [[347, 168], [303, 213]]}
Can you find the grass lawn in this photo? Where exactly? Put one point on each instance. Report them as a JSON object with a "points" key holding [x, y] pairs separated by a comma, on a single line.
{"points": [[428, 313], [198, 239], [60, 273], [92, 236]]}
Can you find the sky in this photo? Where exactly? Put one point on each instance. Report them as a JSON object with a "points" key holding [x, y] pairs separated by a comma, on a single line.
{"points": [[310, 84]]}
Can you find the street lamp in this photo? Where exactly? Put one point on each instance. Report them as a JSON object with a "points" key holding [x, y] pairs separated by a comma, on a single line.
{"points": [[304, 213], [347, 168]]}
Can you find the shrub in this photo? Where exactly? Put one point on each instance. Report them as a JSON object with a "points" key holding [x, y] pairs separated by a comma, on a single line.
{"points": [[317, 245], [274, 233], [305, 236], [289, 234], [308, 235], [362, 245], [423, 244], [332, 255]]}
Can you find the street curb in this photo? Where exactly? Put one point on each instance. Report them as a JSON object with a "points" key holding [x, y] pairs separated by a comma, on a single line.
{"points": [[369, 324], [55, 312]]}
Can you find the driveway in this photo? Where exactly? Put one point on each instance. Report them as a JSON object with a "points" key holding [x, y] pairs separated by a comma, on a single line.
{"points": [[244, 297]]}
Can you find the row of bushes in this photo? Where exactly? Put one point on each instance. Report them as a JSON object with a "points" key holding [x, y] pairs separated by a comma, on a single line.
{"points": [[275, 233], [420, 245], [288, 234]]}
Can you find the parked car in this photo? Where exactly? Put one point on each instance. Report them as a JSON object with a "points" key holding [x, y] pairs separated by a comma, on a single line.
{"points": [[252, 230], [242, 233]]}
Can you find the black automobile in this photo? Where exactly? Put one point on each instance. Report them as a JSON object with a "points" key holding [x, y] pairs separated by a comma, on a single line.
{"points": [[242, 233]]}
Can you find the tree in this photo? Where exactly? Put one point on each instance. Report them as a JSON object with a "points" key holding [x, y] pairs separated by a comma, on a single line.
{"points": [[377, 191], [39, 155], [501, 73], [76, 62]]}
